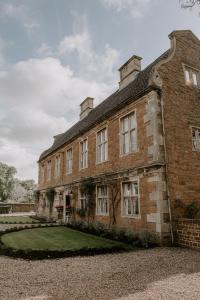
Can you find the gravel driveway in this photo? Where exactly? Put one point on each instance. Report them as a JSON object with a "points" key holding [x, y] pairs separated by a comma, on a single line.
{"points": [[162, 273]]}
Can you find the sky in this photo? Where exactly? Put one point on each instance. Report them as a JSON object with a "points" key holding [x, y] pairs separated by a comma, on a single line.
{"points": [[55, 53]]}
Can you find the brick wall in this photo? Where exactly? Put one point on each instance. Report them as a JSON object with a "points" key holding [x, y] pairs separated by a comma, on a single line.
{"points": [[187, 233], [181, 111]]}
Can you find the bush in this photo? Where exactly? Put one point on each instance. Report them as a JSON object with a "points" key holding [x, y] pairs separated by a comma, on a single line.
{"points": [[142, 238], [192, 210], [81, 212]]}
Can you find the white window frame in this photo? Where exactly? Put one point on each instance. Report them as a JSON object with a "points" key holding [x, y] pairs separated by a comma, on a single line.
{"points": [[82, 153], [100, 212], [49, 170], [57, 165], [121, 133], [198, 141], [123, 214], [69, 166], [189, 73], [82, 199], [99, 146]]}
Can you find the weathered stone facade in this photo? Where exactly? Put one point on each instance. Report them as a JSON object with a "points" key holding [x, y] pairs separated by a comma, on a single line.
{"points": [[164, 164]]}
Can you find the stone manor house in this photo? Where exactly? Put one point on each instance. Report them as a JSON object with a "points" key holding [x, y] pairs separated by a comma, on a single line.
{"points": [[132, 157]]}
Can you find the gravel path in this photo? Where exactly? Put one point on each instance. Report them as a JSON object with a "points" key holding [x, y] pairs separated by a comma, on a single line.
{"points": [[162, 273]]}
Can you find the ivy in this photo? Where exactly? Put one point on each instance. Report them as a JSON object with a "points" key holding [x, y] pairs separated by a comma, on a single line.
{"points": [[50, 197]]}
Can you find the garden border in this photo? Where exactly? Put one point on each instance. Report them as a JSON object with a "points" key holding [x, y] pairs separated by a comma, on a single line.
{"points": [[29, 254]]}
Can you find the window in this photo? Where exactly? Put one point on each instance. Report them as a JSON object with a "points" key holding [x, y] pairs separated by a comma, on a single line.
{"points": [[128, 134], [84, 154], [57, 166], [102, 146], [102, 200], [69, 161], [130, 196], [192, 76], [83, 200], [42, 173], [49, 170], [196, 138]]}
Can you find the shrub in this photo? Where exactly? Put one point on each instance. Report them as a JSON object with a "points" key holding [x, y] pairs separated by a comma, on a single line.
{"points": [[81, 212], [191, 210]]}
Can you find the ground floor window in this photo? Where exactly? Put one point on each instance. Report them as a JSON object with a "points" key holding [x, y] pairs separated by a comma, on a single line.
{"points": [[102, 200], [130, 198], [83, 200]]}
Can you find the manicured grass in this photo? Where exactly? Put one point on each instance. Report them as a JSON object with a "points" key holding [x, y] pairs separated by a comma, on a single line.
{"points": [[57, 239], [20, 219]]}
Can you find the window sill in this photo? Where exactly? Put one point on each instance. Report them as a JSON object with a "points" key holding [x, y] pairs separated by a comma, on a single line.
{"points": [[196, 150], [101, 162], [131, 216], [129, 153], [102, 215]]}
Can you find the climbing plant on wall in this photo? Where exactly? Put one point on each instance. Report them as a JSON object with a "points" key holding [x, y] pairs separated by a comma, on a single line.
{"points": [[50, 197]]}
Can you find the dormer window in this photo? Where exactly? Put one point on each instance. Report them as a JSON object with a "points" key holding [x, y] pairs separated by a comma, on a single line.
{"points": [[192, 76]]}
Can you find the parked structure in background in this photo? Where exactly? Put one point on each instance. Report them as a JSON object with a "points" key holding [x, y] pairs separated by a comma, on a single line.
{"points": [[131, 159]]}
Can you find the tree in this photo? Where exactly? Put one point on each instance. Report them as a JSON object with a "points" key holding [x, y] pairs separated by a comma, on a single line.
{"points": [[30, 187], [7, 181], [189, 3]]}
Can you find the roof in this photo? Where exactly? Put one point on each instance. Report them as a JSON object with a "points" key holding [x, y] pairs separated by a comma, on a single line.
{"points": [[117, 100]]}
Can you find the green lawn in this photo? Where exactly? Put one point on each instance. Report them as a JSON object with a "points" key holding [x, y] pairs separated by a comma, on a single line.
{"points": [[17, 219], [56, 238]]}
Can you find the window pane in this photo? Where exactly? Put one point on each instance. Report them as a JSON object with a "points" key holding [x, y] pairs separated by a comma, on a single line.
{"points": [[194, 77], [125, 124], [125, 143], [132, 121], [133, 143], [187, 76]]}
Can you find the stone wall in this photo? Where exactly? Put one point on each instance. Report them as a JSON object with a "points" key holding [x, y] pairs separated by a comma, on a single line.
{"points": [[22, 207], [187, 233]]}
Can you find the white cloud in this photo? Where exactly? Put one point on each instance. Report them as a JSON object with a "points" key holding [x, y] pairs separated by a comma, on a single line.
{"points": [[19, 12], [45, 50], [40, 97], [137, 8], [91, 64]]}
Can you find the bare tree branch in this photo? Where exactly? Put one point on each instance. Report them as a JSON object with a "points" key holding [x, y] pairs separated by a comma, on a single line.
{"points": [[189, 3]]}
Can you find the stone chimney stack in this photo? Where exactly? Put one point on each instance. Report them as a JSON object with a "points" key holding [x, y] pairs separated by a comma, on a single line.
{"points": [[86, 107], [129, 71]]}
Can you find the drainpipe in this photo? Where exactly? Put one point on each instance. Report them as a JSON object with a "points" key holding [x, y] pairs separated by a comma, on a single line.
{"points": [[166, 161], [64, 208]]}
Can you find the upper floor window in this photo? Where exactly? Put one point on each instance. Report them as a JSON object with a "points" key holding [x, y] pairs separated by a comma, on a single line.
{"points": [[130, 194], [69, 161], [102, 200], [128, 134], [57, 166], [49, 170], [196, 138], [102, 146], [84, 154], [42, 173], [192, 76]]}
